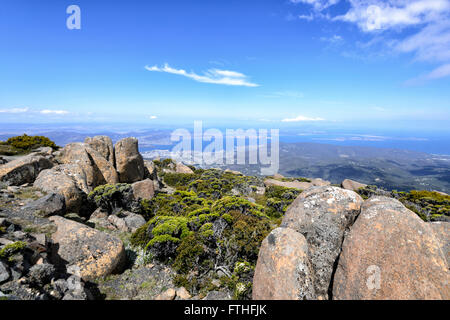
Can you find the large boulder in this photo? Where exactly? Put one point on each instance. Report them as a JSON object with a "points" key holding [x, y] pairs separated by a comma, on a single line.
{"points": [[390, 253], [144, 189], [67, 180], [98, 170], [283, 270], [24, 169], [288, 184], [103, 145], [323, 215], [129, 162], [95, 253], [352, 185], [318, 182]]}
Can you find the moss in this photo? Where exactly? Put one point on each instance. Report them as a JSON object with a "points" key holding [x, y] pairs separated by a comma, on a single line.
{"points": [[12, 248], [206, 230], [189, 253], [178, 179], [228, 218], [232, 203]]}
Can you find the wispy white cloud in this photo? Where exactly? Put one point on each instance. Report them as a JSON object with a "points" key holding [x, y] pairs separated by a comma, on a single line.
{"points": [[153, 117], [57, 112], [301, 118], [333, 39], [215, 76], [14, 110], [429, 20]]}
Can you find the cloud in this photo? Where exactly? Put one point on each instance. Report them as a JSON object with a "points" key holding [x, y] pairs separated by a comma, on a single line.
{"points": [[333, 39], [153, 117], [58, 112], [427, 23], [301, 118], [382, 15], [14, 110], [215, 76]]}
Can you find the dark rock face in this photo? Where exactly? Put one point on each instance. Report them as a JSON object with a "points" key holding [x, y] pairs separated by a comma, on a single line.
{"points": [[94, 253], [129, 162], [4, 272], [390, 253], [322, 215], [23, 170], [49, 205], [283, 270]]}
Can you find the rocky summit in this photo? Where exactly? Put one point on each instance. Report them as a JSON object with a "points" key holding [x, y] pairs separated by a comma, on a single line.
{"points": [[94, 220]]}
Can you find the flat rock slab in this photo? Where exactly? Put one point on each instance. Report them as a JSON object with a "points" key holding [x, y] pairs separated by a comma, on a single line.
{"points": [[23, 169]]}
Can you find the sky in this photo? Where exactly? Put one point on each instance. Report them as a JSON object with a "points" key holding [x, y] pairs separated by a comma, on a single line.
{"points": [[349, 63]]}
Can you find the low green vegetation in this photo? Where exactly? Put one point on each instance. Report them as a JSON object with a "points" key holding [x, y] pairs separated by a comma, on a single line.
{"points": [[10, 249], [24, 144], [428, 205], [210, 227]]}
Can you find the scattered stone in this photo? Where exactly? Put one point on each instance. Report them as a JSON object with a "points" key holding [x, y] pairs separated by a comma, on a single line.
{"points": [[390, 253], [218, 295], [352, 185], [283, 270], [169, 294], [96, 253], [129, 162], [182, 294], [24, 169]]}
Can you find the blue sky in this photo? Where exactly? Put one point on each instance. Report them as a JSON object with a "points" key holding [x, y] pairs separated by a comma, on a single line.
{"points": [[281, 62]]}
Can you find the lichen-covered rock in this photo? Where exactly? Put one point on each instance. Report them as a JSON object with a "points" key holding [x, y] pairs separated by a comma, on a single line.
{"points": [[129, 162], [322, 215], [97, 254], [288, 184], [24, 169], [352, 185], [441, 230], [97, 169], [103, 145], [283, 270], [390, 253], [144, 189], [67, 180]]}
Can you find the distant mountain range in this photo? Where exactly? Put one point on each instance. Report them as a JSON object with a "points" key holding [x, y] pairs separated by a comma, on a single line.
{"points": [[393, 169]]}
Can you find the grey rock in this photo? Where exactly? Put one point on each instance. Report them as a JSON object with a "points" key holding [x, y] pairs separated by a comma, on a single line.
{"points": [[41, 273], [4, 272], [49, 205], [103, 145], [218, 295], [24, 169], [323, 215], [134, 221]]}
